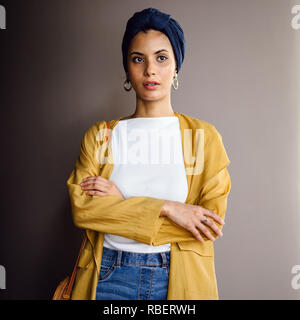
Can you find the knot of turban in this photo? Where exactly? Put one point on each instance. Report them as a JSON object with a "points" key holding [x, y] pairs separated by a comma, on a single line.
{"points": [[152, 18]]}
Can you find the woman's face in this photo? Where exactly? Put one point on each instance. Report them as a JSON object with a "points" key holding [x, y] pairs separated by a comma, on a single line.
{"points": [[151, 58]]}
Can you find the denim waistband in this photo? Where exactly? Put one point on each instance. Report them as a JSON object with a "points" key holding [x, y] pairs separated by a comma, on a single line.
{"points": [[147, 259]]}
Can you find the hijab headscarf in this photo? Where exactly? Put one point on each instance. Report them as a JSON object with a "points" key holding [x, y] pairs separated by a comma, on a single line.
{"points": [[152, 18]]}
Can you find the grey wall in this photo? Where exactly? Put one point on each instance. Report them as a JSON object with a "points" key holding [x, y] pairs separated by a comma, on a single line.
{"points": [[61, 71]]}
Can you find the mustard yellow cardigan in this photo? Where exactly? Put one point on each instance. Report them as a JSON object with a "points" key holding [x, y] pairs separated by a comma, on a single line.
{"points": [[192, 270]]}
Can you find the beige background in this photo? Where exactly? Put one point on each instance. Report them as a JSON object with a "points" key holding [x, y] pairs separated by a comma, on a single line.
{"points": [[63, 72]]}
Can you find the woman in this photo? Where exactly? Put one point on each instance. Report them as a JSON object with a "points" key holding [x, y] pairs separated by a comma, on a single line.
{"points": [[150, 225]]}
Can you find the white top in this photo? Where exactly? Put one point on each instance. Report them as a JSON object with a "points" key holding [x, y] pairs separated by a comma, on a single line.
{"points": [[147, 162]]}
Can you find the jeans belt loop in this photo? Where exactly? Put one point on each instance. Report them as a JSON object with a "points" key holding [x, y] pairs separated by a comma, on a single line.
{"points": [[164, 260], [118, 263]]}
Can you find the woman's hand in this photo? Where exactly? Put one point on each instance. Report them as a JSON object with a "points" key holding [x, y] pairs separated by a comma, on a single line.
{"points": [[193, 218], [99, 186]]}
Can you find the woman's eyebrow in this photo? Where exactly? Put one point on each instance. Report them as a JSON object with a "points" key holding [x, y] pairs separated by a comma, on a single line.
{"points": [[135, 52]]}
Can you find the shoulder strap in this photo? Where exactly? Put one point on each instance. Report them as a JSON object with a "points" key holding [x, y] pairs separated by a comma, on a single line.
{"points": [[107, 135], [70, 286]]}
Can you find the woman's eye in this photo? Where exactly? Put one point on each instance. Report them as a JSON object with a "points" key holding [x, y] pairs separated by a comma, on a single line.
{"points": [[136, 58], [163, 57]]}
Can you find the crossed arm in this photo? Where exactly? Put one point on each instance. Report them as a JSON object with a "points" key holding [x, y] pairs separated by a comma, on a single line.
{"points": [[136, 218]]}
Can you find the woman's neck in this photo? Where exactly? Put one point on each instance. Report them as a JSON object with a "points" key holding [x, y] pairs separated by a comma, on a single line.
{"points": [[152, 109]]}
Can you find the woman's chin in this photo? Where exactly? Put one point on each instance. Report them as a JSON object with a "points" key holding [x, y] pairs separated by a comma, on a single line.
{"points": [[150, 96], [147, 98]]}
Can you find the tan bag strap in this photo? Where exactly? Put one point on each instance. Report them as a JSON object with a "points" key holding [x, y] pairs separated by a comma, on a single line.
{"points": [[107, 135], [70, 286]]}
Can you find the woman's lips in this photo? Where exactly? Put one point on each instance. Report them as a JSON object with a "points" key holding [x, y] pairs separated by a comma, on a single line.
{"points": [[151, 86]]}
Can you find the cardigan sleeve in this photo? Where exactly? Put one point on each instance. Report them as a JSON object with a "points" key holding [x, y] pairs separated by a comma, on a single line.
{"points": [[215, 185], [136, 218], [213, 196]]}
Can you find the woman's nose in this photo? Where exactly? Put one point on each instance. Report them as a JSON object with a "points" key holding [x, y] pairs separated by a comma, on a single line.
{"points": [[149, 68]]}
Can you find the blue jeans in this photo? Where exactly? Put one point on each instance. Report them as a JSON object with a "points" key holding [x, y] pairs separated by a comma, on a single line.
{"points": [[133, 276]]}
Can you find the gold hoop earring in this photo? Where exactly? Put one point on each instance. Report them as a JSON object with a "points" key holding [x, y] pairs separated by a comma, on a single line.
{"points": [[175, 82], [125, 87]]}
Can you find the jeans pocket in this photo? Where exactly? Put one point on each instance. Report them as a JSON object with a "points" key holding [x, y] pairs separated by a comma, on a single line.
{"points": [[106, 269]]}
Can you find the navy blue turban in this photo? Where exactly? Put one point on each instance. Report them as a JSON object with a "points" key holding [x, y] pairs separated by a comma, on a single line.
{"points": [[154, 19]]}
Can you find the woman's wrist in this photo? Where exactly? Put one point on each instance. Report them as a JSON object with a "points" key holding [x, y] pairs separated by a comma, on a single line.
{"points": [[165, 210]]}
